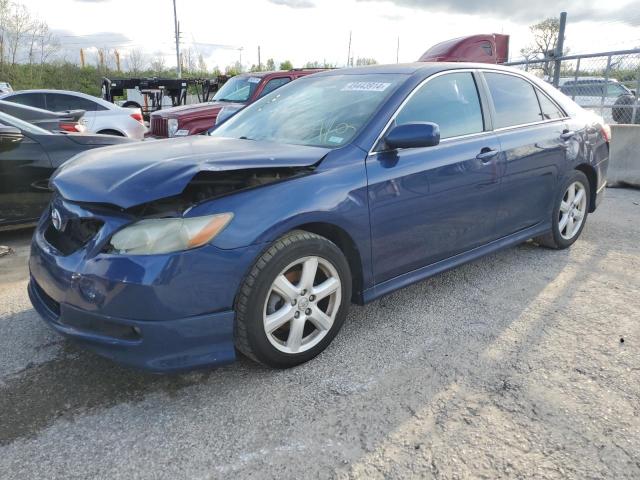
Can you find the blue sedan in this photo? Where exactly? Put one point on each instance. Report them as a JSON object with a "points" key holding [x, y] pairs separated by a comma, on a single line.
{"points": [[340, 187]]}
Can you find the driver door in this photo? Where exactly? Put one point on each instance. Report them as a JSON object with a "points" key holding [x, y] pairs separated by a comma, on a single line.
{"points": [[429, 204]]}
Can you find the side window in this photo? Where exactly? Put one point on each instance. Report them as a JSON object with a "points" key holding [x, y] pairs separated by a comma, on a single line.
{"points": [[451, 101], [29, 99], [58, 102], [514, 100], [550, 111], [273, 84], [615, 90]]}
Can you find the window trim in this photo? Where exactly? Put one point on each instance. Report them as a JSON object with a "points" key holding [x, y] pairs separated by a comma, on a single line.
{"points": [[487, 122], [535, 89], [486, 103]]}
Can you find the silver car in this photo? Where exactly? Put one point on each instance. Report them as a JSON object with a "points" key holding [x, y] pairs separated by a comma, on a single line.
{"points": [[100, 117]]}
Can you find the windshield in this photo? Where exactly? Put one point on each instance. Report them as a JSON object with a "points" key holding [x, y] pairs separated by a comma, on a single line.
{"points": [[326, 111], [237, 89], [22, 125]]}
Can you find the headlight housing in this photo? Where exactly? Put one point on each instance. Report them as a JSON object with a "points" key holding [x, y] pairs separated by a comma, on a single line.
{"points": [[172, 126], [165, 235]]}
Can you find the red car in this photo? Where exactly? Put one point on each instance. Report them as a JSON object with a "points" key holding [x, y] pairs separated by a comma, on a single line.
{"points": [[235, 94]]}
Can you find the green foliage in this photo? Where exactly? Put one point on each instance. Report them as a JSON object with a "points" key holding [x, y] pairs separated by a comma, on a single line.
{"points": [[286, 65]]}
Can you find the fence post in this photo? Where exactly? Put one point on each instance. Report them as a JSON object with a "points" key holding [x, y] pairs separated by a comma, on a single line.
{"points": [[634, 112], [559, 49], [575, 78], [606, 84]]}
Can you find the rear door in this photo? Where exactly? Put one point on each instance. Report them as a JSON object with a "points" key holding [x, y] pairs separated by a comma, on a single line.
{"points": [[30, 99], [533, 150], [428, 204], [273, 84]]}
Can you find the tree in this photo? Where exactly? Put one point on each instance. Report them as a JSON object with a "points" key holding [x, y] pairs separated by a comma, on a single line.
{"points": [[545, 40], [270, 65], [286, 65], [137, 61], [158, 64]]}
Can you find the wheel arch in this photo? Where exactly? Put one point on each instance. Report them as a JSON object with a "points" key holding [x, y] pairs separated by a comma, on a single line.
{"points": [[349, 248], [111, 131], [592, 176]]}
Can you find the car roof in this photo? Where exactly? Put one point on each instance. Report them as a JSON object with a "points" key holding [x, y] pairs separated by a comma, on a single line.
{"points": [[99, 100], [282, 72], [422, 68]]}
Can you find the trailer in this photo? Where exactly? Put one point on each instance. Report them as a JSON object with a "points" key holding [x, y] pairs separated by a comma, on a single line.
{"points": [[153, 94]]}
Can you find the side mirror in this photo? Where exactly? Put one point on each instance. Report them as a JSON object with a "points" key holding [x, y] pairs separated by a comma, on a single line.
{"points": [[413, 135], [10, 134]]}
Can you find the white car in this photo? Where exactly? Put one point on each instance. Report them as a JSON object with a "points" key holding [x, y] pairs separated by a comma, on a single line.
{"points": [[100, 117]]}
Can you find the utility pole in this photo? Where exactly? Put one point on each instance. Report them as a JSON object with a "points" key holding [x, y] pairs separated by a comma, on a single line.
{"points": [[349, 51], [177, 29], [240, 50], [398, 51], [259, 63], [82, 57], [117, 55], [559, 49]]}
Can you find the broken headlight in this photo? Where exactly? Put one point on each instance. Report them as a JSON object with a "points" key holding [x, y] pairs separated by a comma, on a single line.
{"points": [[164, 235]]}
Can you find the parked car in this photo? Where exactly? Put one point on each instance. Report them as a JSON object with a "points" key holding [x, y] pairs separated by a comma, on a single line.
{"points": [[28, 157], [595, 93], [101, 116], [53, 121], [342, 186], [235, 94], [5, 88]]}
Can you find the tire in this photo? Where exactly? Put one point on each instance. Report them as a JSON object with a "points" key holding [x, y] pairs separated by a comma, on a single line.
{"points": [[131, 104], [560, 237], [260, 306], [114, 133], [622, 113]]}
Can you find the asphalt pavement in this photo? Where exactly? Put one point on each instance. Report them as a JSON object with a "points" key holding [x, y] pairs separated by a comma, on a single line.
{"points": [[524, 364]]}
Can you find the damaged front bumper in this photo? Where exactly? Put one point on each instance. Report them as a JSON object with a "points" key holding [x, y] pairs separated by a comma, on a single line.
{"points": [[163, 313]]}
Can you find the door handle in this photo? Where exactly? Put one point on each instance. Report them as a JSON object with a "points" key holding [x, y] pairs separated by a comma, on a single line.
{"points": [[567, 134], [486, 154]]}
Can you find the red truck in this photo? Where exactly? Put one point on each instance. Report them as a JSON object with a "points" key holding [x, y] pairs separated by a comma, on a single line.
{"points": [[486, 48], [235, 94]]}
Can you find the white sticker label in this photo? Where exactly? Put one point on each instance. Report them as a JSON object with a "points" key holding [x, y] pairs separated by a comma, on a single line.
{"points": [[335, 140], [254, 80], [365, 87]]}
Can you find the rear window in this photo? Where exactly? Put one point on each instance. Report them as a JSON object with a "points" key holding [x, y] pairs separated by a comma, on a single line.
{"points": [[29, 99], [514, 100], [550, 110], [59, 102]]}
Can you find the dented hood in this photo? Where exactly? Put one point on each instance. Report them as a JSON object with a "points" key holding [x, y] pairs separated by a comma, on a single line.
{"points": [[133, 174]]}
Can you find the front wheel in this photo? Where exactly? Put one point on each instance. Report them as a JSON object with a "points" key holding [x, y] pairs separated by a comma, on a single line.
{"points": [[569, 214], [294, 301]]}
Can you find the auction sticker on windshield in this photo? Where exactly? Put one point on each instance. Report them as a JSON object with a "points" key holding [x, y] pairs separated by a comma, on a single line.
{"points": [[365, 87]]}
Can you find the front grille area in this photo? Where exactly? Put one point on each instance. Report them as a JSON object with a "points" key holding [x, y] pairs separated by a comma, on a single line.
{"points": [[76, 234], [98, 326], [159, 126]]}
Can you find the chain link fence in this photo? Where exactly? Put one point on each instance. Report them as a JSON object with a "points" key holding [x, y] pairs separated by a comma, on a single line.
{"points": [[607, 83]]}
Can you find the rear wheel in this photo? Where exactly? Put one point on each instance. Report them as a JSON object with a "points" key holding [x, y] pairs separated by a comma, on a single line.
{"points": [[115, 133], [294, 301], [570, 213]]}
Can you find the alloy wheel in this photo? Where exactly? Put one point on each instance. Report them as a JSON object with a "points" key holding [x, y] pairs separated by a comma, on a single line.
{"points": [[573, 209], [302, 304]]}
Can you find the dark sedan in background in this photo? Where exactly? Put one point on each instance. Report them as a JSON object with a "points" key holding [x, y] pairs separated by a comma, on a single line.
{"points": [[28, 157]]}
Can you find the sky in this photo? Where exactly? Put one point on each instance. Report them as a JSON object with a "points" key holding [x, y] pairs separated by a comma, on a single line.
{"points": [[318, 30]]}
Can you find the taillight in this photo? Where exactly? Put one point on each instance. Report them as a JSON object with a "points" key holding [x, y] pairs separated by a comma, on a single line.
{"points": [[606, 132], [68, 127], [138, 117]]}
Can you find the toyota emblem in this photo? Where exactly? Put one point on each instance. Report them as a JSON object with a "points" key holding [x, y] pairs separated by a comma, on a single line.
{"points": [[56, 219]]}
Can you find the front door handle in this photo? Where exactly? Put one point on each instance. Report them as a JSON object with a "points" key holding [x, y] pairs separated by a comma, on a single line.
{"points": [[486, 154], [567, 134]]}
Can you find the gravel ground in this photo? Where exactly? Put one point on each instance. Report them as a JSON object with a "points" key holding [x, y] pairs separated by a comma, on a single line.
{"points": [[525, 364]]}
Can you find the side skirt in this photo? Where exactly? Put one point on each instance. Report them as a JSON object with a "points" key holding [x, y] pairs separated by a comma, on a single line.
{"points": [[419, 274]]}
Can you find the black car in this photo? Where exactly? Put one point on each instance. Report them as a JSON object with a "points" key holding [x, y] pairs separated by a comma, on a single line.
{"points": [[52, 121], [28, 157]]}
